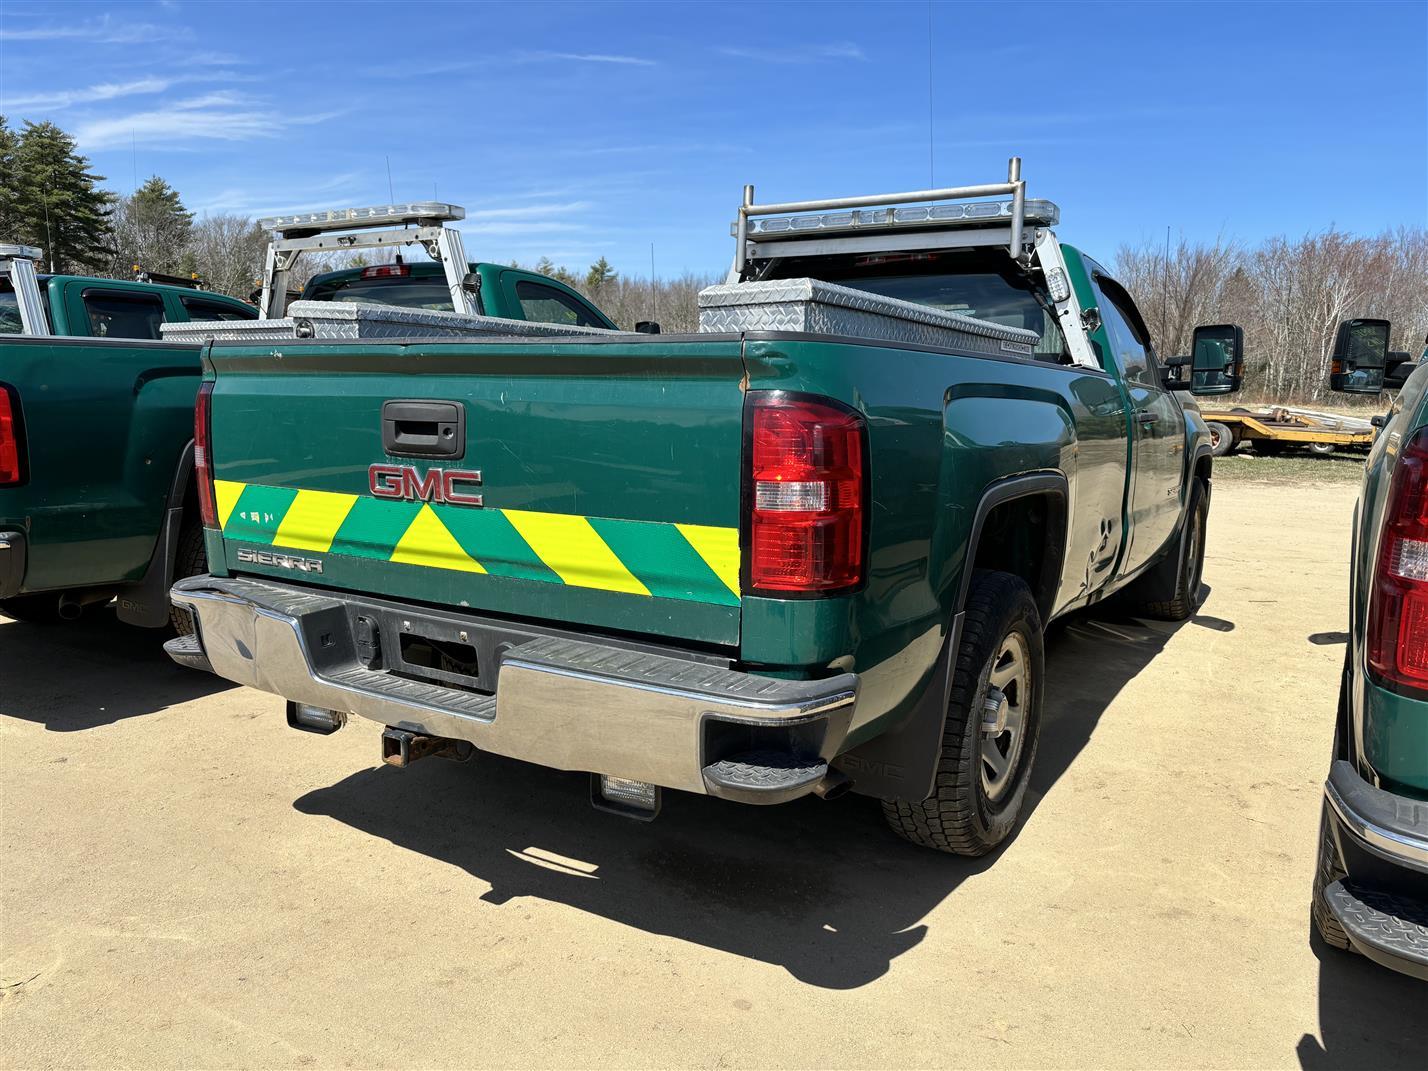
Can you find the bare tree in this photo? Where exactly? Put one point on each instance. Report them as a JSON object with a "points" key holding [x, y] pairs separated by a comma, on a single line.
{"points": [[228, 252]]}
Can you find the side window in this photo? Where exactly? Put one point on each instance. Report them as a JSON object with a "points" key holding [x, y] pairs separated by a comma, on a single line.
{"points": [[1132, 348], [118, 315], [198, 309], [547, 305]]}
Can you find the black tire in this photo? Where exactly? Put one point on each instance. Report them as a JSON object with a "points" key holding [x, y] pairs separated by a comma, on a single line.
{"points": [[36, 609], [1170, 591], [1321, 449], [1326, 873], [190, 559], [1222, 439], [962, 816]]}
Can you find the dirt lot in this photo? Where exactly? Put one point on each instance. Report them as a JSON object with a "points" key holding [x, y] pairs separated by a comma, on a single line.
{"points": [[187, 882]]}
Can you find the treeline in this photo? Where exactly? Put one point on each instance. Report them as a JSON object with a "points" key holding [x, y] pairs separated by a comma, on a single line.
{"points": [[1288, 294], [50, 198]]}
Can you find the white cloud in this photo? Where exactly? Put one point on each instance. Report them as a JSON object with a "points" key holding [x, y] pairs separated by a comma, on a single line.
{"points": [[104, 30], [66, 98], [60, 99], [221, 116], [528, 211], [839, 50], [520, 226], [591, 57]]}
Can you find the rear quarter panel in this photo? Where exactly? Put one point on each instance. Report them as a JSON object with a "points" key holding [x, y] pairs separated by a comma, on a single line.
{"points": [[942, 429], [1390, 731], [105, 424]]}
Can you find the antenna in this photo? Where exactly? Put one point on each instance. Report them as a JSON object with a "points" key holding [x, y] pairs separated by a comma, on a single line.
{"points": [[391, 193], [931, 163]]}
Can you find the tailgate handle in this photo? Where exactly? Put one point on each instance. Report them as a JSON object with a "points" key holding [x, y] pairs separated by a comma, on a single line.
{"points": [[424, 429]]}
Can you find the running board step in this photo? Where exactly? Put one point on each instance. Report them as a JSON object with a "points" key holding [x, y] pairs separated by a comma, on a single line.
{"points": [[1390, 930], [764, 776]]}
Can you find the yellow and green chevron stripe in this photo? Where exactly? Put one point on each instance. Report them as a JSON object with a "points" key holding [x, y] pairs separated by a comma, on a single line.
{"points": [[650, 558]]}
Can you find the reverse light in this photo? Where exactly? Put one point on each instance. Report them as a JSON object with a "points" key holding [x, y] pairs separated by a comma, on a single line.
{"points": [[12, 470], [202, 455], [1398, 602], [806, 525]]}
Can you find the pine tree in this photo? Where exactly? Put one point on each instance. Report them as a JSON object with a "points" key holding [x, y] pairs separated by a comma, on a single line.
{"points": [[9, 205], [59, 204], [152, 229], [599, 274]]}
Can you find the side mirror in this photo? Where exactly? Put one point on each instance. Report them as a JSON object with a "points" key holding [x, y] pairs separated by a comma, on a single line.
{"points": [[1216, 361], [647, 327], [1396, 370], [1360, 357]]}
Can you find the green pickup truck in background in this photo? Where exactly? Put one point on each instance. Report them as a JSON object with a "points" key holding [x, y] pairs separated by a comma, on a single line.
{"points": [[812, 548], [1371, 884], [96, 428], [97, 386]]}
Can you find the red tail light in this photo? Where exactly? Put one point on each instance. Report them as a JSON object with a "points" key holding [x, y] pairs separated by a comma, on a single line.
{"points": [[387, 271], [203, 456], [1398, 603], [11, 470], [807, 518]]}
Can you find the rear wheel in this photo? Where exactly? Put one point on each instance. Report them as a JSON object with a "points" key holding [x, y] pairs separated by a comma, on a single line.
{"points": [[1222, 439], [993, 721], [189, 560], [1171, 590], [1321, 449]]}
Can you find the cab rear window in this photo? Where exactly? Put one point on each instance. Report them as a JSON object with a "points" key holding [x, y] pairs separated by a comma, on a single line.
{"points": [[406, 293], [971, 284]]}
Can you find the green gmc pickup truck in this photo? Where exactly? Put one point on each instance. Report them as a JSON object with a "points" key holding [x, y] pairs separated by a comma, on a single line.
{"points": [[96, 487], [97, 384], [812, 548], [1371, 884]]}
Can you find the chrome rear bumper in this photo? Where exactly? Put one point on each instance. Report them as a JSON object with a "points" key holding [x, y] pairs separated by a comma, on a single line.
{"points": [[553, 699]]}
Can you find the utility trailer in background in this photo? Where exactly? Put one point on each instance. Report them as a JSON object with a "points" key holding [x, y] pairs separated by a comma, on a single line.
{"points": [[1274, 429]]}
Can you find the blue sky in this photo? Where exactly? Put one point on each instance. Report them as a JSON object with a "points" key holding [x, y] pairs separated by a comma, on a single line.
{"points": [[576, 130]]}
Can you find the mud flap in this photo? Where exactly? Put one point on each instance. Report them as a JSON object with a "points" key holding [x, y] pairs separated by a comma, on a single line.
{"points": [[902, 763], [146, 603]]}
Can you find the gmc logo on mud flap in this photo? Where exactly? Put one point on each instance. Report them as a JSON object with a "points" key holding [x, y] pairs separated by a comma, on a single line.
{"points": [[438, 485], [282, 561]]}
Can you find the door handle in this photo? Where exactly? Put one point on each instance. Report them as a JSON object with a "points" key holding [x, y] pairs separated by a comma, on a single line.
{"points": [[1148, 418]]}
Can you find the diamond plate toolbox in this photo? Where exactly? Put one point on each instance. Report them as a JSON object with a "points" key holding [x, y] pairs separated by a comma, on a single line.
{"points": [[812, 307], [341, 320]]}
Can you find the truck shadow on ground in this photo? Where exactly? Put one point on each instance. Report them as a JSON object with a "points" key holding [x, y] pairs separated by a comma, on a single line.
{"points": [[78, 675], [1369, 1017], [821, 888]]}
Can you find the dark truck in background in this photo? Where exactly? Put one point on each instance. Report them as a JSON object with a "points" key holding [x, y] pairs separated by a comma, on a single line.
{"points": [[812, 548]]}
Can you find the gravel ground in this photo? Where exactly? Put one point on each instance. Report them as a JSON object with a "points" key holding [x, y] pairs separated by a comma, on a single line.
{"points": [[188, 883]]}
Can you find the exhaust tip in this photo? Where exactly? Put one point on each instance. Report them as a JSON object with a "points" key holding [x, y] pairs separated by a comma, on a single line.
{"points": [[834, 785]]}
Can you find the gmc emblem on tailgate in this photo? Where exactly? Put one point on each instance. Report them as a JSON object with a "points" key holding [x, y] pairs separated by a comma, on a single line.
{"points": [[438, 485]]}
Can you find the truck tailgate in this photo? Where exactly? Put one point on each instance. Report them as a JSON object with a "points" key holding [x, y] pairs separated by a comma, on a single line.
{"points": [[609, 476]]}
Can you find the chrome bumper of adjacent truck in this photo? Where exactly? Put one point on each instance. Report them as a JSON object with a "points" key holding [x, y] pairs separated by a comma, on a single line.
{"points": [[553, 699]]}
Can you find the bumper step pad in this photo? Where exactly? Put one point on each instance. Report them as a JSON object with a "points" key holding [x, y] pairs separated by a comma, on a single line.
{"points": [[1388, 929], [188, 651], [764, 776]]}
